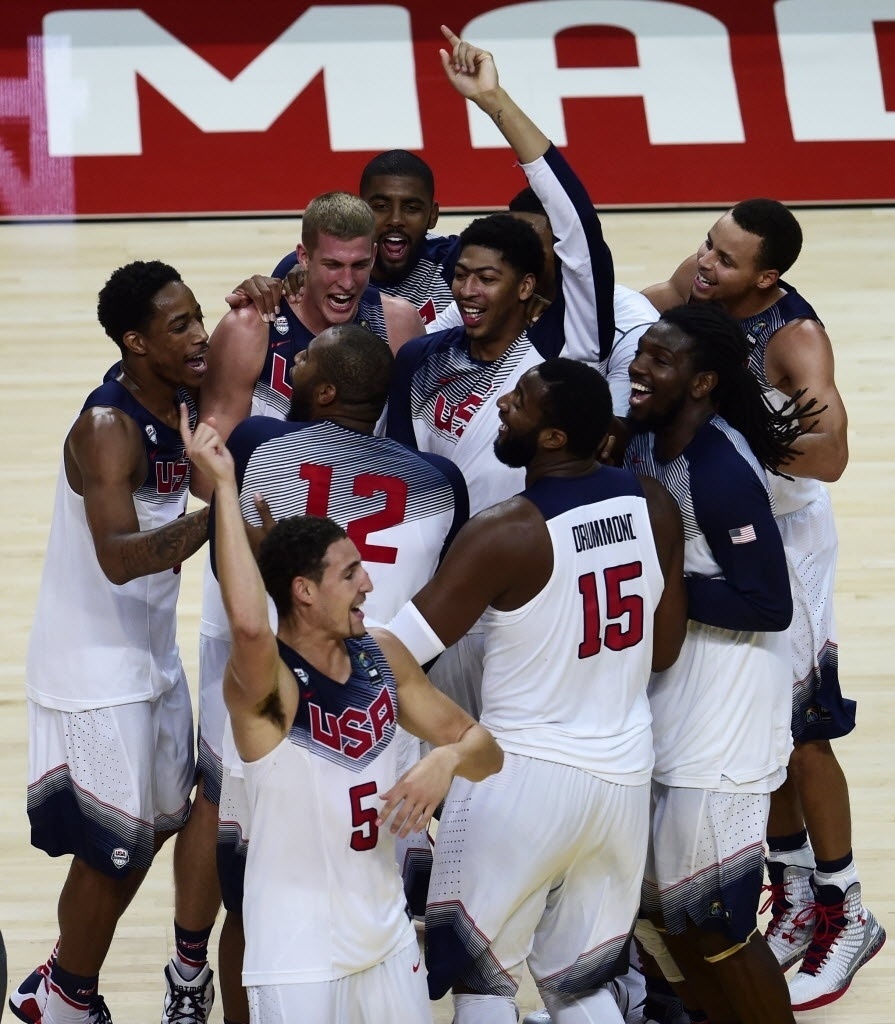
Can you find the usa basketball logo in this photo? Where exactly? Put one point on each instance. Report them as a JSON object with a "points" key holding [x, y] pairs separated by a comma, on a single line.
{"points": [[151, 434], [301, 676], [120, 857], [281, 325]]}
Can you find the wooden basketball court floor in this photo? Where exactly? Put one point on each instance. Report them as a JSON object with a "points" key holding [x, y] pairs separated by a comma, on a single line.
{"points": [[53, 353]]}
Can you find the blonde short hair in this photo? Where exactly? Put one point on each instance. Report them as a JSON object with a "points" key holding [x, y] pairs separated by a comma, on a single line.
{"points": [[339, 214]]}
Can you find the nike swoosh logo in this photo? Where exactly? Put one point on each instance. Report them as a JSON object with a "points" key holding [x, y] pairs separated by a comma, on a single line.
{"points": [[416, 966]]}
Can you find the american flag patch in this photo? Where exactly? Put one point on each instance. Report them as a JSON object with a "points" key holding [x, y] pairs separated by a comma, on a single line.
{"points": [[743, 534]]}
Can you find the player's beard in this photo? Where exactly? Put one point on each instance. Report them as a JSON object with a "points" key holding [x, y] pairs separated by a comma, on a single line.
{"points": [[300, 406], [516, 452]]}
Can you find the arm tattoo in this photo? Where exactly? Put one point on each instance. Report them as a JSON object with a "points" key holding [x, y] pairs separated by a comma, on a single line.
{"points": [[166, 547]]}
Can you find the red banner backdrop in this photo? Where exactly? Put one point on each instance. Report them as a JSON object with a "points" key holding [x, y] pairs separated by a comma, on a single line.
{"points": [[211, 107]]}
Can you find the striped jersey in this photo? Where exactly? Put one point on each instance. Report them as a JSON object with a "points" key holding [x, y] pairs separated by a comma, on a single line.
{"points": [[287, 335], [399, 507]]}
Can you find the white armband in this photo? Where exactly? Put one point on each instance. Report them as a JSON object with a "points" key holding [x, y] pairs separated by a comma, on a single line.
{"points": [[411, 628]]}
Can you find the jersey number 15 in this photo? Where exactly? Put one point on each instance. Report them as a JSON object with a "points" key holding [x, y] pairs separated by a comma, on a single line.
{"points": [[616, 635]]}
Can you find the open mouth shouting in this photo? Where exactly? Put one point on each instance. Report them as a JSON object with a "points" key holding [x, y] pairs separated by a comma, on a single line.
{"points": [[394, 247]]}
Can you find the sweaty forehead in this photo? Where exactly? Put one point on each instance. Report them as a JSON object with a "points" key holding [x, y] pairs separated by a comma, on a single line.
{"points": [[667, 336]]}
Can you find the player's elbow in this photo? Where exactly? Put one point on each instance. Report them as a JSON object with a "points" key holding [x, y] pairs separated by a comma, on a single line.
{"points": [[489, 760]]}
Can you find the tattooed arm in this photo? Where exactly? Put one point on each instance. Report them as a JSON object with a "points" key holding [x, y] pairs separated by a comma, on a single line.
{"points": [[105, 462]]}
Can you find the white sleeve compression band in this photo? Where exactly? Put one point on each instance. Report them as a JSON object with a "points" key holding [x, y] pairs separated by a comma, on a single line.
{"points": [[415, 633]]}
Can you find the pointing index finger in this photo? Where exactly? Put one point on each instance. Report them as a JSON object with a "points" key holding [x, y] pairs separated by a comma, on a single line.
{"points": [[185, 432], [449, 35]]}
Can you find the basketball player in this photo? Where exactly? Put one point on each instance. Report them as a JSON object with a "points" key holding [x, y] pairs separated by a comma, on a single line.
{"points": [[721, 713], [574, 295], [314, 709], [248, 372], [110, 722], [400, 506], [571, 632], [598, 323], [818, 915], [411, 263]]}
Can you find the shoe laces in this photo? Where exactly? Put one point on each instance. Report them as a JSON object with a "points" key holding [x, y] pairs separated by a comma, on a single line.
{"points": [[829, 921], [187, 1005], [99, 1012], [776, 902]]}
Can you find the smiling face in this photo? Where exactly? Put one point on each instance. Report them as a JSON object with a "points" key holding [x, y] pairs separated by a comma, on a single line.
{"points": [[174, 341], [336, 601], [404, 211], [521, 421], [491, 295], [661, 375], [337, 272], [727, 270]]}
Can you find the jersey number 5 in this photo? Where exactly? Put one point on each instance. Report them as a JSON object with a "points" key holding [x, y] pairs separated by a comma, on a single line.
{"points": [[618, 606], [366, 833], [319, 480]]}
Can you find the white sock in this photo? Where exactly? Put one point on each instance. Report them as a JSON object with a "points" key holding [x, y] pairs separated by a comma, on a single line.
{"points": [[802, 858], [841, 879]]}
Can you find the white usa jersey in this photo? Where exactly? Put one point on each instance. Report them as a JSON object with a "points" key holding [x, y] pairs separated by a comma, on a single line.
{"points": [[323, 897], [566, 674], [94, 643]]}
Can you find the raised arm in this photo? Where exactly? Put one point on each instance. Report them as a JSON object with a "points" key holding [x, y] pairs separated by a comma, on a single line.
{"points": [[462, 746], [105, 462], [580, 322], [256, 689], [473, 74]]}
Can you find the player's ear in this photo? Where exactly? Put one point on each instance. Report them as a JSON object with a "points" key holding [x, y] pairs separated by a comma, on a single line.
{"points": [[703, 383], [134, 342], [325, 393], [527, 287], [433, 216], [303, 255], [553, 438], [768, 278], [302, 590]]}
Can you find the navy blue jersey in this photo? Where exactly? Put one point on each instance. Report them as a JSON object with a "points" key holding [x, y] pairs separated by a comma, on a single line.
{"points": [[287, 335], [168, 468], [734, 561]]}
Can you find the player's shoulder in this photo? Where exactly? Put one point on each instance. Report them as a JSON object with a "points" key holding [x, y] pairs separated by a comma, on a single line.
{"points": [[440, 248], [418, 349], [632, 309]]}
